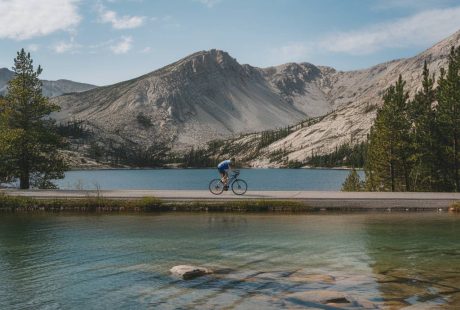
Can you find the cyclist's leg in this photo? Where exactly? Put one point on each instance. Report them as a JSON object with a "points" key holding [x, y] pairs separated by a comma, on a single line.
{"points": [[222, 175], [225, 179]]}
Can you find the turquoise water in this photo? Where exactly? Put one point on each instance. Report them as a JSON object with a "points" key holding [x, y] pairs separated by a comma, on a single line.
{"points": [[122, 261], [258, 179]]}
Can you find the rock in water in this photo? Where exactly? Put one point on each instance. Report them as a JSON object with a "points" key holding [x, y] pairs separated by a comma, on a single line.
{"points": [[317, 298], [188, 272]]}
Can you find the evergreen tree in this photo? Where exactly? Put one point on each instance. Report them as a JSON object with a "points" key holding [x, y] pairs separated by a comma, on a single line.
{"points": [[424, 135], [32, 146], [448, 122], [6, 138], [389, 163], [352, 182]]}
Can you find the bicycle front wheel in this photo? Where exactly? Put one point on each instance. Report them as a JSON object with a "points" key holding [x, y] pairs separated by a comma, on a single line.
{"points": [[216, 186], [239, 187]]}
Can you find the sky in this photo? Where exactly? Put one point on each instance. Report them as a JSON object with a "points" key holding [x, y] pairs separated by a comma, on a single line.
{"points": [[108, 41]]}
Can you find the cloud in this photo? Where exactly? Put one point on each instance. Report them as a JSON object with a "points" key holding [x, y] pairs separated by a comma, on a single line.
{"points": [[209, 3], [146, 50], [69, 46], [420, 29], [33, 47], [291, 52], [119, 22], [411, 4], [123, 46], [25, 19]]}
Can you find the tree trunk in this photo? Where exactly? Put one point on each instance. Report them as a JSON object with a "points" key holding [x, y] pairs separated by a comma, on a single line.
{"points": [[24, 180], [456, 164]]}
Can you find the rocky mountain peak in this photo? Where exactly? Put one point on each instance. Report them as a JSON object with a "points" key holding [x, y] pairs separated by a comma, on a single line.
{"points": [[291, 78], [203, 62], [213, 56]]}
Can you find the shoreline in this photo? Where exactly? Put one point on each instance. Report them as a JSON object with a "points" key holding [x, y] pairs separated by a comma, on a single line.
{"points": [[203, 201], [206, 168]]}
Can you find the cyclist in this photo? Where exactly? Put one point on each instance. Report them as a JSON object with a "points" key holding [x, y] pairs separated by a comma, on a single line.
{"points": [[224, 167]]}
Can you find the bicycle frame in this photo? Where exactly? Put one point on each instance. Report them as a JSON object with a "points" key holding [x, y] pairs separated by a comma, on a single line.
{"points": [[232, 178]]}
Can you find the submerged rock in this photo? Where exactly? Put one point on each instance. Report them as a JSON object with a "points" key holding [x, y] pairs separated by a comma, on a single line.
{"points": [[300, 276], [188, 272], [330, 298]]}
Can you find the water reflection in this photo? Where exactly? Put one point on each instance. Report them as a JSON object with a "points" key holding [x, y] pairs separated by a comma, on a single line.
{"points": [[23, 240], [261, 261], [416, 260]]}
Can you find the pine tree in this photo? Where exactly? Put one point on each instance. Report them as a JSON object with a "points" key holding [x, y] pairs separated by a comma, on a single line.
{"points": [[352, 182], [32, 148], [389, 165], [424, 135], [448, 122], [6, 146]]}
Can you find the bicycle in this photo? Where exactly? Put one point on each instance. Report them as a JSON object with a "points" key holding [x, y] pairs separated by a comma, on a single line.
{"points": [[239, 186]]}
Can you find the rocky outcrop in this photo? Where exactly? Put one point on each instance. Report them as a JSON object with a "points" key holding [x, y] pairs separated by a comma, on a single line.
{"points": [[188, 272]]}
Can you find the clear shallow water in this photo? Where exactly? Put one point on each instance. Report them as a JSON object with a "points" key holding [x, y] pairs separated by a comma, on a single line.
{"points": [[122, 261], [258, 179]]}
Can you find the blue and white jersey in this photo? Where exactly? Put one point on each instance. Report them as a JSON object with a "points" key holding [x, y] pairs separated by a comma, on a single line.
{"points": [[225, 165]]}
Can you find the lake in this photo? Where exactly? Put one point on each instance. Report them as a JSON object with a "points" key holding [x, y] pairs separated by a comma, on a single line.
{"points": [[122, 261], [196, 179]]}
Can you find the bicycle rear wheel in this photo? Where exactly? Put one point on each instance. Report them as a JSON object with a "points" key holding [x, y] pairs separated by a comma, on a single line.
{"points": [[239, 187], [216, 186]]}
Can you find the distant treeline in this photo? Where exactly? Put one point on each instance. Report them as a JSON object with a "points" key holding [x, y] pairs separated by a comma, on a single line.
{"points": [[344, 155]]}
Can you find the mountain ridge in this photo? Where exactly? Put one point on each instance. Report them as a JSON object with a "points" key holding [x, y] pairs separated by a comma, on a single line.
{"points": [[200, 97], [356, 95], [49, 88], [208, 95]]}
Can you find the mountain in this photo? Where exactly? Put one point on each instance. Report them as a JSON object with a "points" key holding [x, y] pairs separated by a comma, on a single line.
{"points": [[5, 76], [356, 95], [50, 88], [204, 96], [209, 95]]}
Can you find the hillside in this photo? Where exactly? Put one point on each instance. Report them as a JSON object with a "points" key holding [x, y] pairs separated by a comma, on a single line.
{"points": [[210, 96], [199, 98], [356, 96]]}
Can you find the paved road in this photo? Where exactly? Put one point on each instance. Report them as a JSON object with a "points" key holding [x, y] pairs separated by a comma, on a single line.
{"points": [[326, 199]]}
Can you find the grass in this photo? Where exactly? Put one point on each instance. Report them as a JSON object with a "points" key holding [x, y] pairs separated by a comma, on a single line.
{"points": [[258, 205], [98, 203], [146, 204], [455, 206]]}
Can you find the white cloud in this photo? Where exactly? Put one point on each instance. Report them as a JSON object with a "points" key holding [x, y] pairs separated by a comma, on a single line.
{"points": [[119, 22], [123, 46], [33, 47], [420, 29], [209, 3], [145, 50], [25, 19], [64, 47], [292, 52], [410, 4]]}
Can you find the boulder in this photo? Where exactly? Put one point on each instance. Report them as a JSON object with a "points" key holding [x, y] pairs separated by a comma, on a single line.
{"points": [[188, 272]]}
